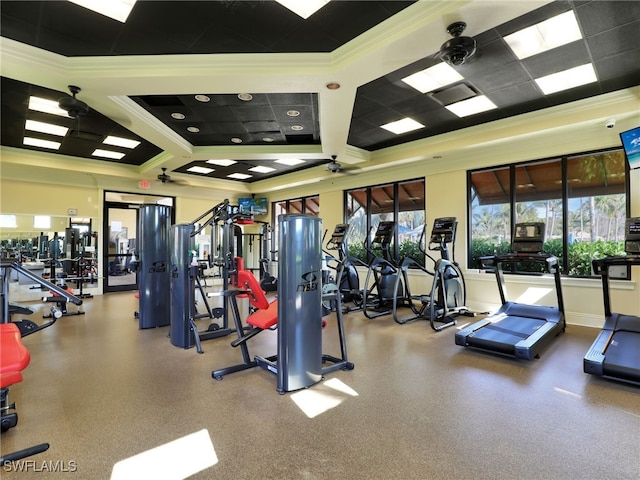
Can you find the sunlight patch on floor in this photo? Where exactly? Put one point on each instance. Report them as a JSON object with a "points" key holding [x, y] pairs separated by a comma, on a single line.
{"points": [[322, 397], [175, 460]]}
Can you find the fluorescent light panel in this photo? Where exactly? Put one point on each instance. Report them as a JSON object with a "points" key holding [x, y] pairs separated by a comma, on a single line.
{"points": [[262, 169], [433, 78], [471, 106], [402, 126], [571, 78], [552, 33], [117, 9], [222, 163], [46, 106], [38, 142], [239, 176], [290, 161], [107, 154], [303, 8], [43, 127], [121, 142], [196, 169]]}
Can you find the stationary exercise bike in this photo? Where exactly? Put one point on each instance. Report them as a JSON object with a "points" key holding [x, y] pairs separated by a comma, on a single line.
{"points": [[447, 297]]}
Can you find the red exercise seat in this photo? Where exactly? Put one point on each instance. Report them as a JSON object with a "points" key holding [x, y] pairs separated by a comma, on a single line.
{"points": [[14, 356]]}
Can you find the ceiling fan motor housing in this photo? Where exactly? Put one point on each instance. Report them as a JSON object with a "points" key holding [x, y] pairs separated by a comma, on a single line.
{"points": [[457, 50], [74, 107]]}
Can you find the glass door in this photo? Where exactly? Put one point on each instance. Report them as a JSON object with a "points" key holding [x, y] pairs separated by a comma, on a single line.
{"points": [[120, 231]]}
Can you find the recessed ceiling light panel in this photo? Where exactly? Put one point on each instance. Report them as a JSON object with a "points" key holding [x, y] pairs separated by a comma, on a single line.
{"points": [[236, 140], [262, 169], [43, 127], [402, 126], [193, 129], [121, 142], [38, 142], [290, 161], [239, 176], [222, 162], [303, 8], [117, 9], [293, 113], [245, 97], [46, 106], [203, 98], [541, 37], [471, 106], [178, 116], [571, 78], [197, 169], [107, 154], [297, 128], [433, 78]]}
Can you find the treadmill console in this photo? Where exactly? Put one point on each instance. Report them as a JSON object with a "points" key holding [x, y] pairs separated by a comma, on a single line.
{"points": [[632, 236], [528, 237], [384, 233], [339, 234], [444, 230]]}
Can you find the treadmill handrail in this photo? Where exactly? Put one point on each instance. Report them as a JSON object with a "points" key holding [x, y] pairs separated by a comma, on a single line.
{"points": [[550, 261], [601, 267]]}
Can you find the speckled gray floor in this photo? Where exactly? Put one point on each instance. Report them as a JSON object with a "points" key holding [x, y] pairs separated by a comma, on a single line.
{"points": [[416, 406]]}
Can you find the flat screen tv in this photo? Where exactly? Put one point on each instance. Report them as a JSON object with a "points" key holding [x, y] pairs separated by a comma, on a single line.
{"points": [[631, 146], [253, 206]]}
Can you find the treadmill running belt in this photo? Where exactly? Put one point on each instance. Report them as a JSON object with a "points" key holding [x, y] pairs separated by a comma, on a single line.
{"points": [[622, 356], [503, 335]]}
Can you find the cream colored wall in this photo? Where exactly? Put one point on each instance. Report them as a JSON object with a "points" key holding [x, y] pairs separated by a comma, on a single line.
{"points": [[22, 197]]}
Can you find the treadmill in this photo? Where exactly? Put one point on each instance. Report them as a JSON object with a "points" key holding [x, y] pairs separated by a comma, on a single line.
{"points": [[516, 329], [615, 353]]}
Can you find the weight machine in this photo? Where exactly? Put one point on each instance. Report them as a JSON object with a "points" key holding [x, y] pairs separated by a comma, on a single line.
{"points": [[27, 327], [185, 279], [447, 297]]}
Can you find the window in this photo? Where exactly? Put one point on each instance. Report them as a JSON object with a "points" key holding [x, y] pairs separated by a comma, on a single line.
{"points": [[401, 202], [582, 199], [305, 205]]}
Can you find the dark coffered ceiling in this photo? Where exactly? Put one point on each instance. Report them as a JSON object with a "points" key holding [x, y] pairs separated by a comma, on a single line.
{"points": [[244, 42]]}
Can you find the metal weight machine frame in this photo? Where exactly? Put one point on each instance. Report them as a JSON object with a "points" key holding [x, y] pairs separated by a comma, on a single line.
{"points": [[182, 327], [27, 327]]}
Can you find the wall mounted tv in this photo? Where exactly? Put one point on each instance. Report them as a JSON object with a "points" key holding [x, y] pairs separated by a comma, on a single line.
{"points": [[631, 146], [254, 206]]}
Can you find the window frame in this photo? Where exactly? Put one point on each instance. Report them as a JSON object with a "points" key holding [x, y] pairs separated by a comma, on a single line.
{"points": [[512, 195]]}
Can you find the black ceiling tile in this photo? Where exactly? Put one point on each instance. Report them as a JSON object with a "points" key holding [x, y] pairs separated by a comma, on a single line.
{"points": [[393, 93], [306, 38], [257, 113], [500, 77], [293, 99], [513, 95], [488, 57], [599, 16], [185, 24], [422, 103], [381, 116], [212, 113], [262, 126], [615, 41], [625, 67], [561, 58], [363, 105]]}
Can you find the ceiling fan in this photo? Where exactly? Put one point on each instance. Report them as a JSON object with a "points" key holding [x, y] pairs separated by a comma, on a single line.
{"points": [[334, 167], [164, 177], [74, 107], [457, 50]]}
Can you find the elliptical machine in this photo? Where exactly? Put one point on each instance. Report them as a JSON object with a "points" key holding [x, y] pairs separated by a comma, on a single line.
{"points": [[383, 275], [347, 279], [447, 297]]}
